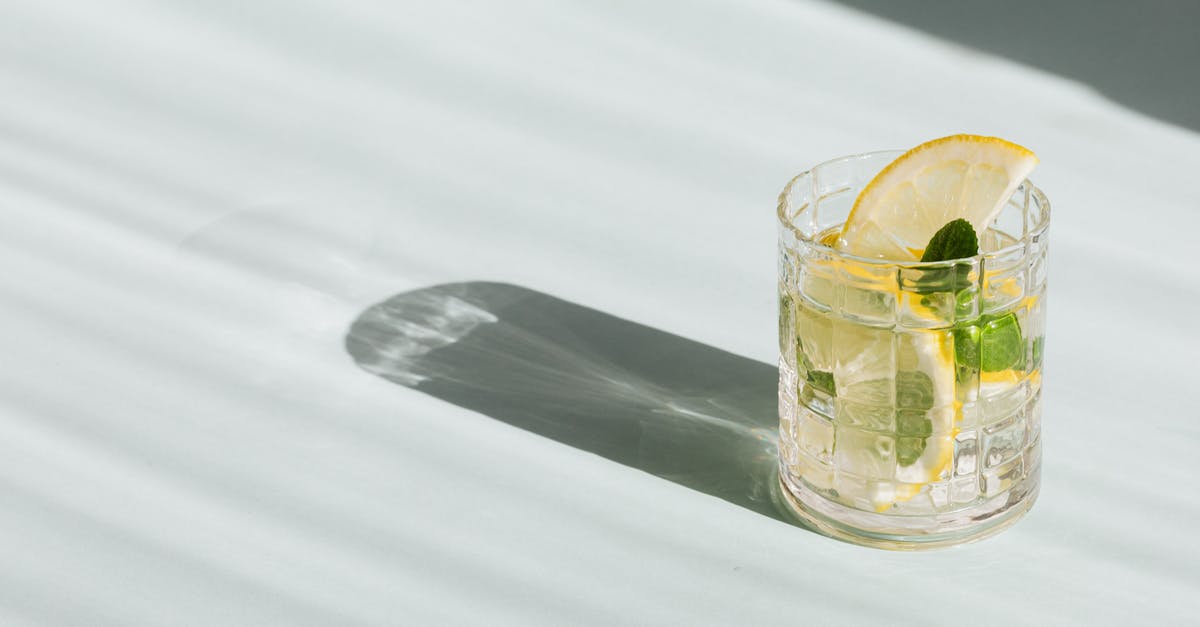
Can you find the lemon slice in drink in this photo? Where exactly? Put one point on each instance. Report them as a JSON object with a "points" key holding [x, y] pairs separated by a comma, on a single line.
{"points": [[897, 409], [961, 176]]}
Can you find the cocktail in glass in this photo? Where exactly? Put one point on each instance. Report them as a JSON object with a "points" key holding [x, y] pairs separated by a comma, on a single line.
{"points": [[909, 392]]}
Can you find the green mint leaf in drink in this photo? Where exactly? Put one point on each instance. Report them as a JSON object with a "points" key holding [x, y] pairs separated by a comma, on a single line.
{"points": [[822, 381], [1001, 345], [966, 345], [914, 398], [955, 240], [992, 344]]}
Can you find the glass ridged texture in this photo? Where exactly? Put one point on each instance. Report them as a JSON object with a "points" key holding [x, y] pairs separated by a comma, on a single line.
{"points": [[909, 393]]}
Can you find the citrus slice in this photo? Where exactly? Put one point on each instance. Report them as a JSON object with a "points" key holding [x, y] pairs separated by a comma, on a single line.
{"points": [[895, 421], [961, 176]]}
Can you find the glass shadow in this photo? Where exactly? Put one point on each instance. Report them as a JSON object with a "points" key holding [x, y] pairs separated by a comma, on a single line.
{"points": [[677, 409]]}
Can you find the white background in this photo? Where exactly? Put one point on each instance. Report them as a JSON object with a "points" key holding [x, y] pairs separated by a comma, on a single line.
{"points": [[197, 198]]}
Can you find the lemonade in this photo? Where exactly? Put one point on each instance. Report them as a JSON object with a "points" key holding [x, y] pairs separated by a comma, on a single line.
{"points": [[910, 390]]}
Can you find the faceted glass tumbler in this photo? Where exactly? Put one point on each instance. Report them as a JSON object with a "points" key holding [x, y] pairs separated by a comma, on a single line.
{"points": [[909, 392]]}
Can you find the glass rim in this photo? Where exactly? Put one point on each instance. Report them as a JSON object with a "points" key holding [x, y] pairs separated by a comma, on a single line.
{"points": [[1030, 188]]}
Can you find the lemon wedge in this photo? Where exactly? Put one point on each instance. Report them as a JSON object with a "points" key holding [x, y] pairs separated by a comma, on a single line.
{"points": [[961, 176]]}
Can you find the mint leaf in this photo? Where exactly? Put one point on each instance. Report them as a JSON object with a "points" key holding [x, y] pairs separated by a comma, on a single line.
{"points": [[914, 399], [991, 343], [956, 240], [1001, 345], [821, 380], [966, 344], [914, 390], [909, 450]]}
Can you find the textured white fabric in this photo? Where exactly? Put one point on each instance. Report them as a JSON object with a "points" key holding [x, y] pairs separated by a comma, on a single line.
{"points": [[197, 198]]}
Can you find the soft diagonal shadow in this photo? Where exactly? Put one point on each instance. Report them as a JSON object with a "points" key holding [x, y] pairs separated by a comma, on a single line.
{"points": [[674, 408]]}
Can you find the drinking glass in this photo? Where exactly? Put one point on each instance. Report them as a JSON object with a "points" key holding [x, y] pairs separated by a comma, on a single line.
{"points": [[909, 393]]}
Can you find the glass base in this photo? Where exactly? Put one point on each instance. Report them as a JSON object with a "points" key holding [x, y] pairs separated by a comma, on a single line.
{"points": [[906, 533]]}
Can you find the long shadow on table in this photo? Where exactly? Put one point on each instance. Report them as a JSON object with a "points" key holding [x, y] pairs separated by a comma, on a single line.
{"points": [[674, 408]]}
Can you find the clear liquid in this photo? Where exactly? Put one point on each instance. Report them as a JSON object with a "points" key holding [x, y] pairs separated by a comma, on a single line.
{"points": [[899, 399]]}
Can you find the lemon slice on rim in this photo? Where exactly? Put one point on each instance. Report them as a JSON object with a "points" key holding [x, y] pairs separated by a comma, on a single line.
{"points": [[961, 176]]}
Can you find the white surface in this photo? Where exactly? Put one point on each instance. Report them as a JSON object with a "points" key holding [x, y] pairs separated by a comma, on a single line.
{"points": [[197, 198]]}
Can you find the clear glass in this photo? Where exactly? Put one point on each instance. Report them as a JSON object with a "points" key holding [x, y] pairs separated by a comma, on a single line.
{"points": [[909, 393]]}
